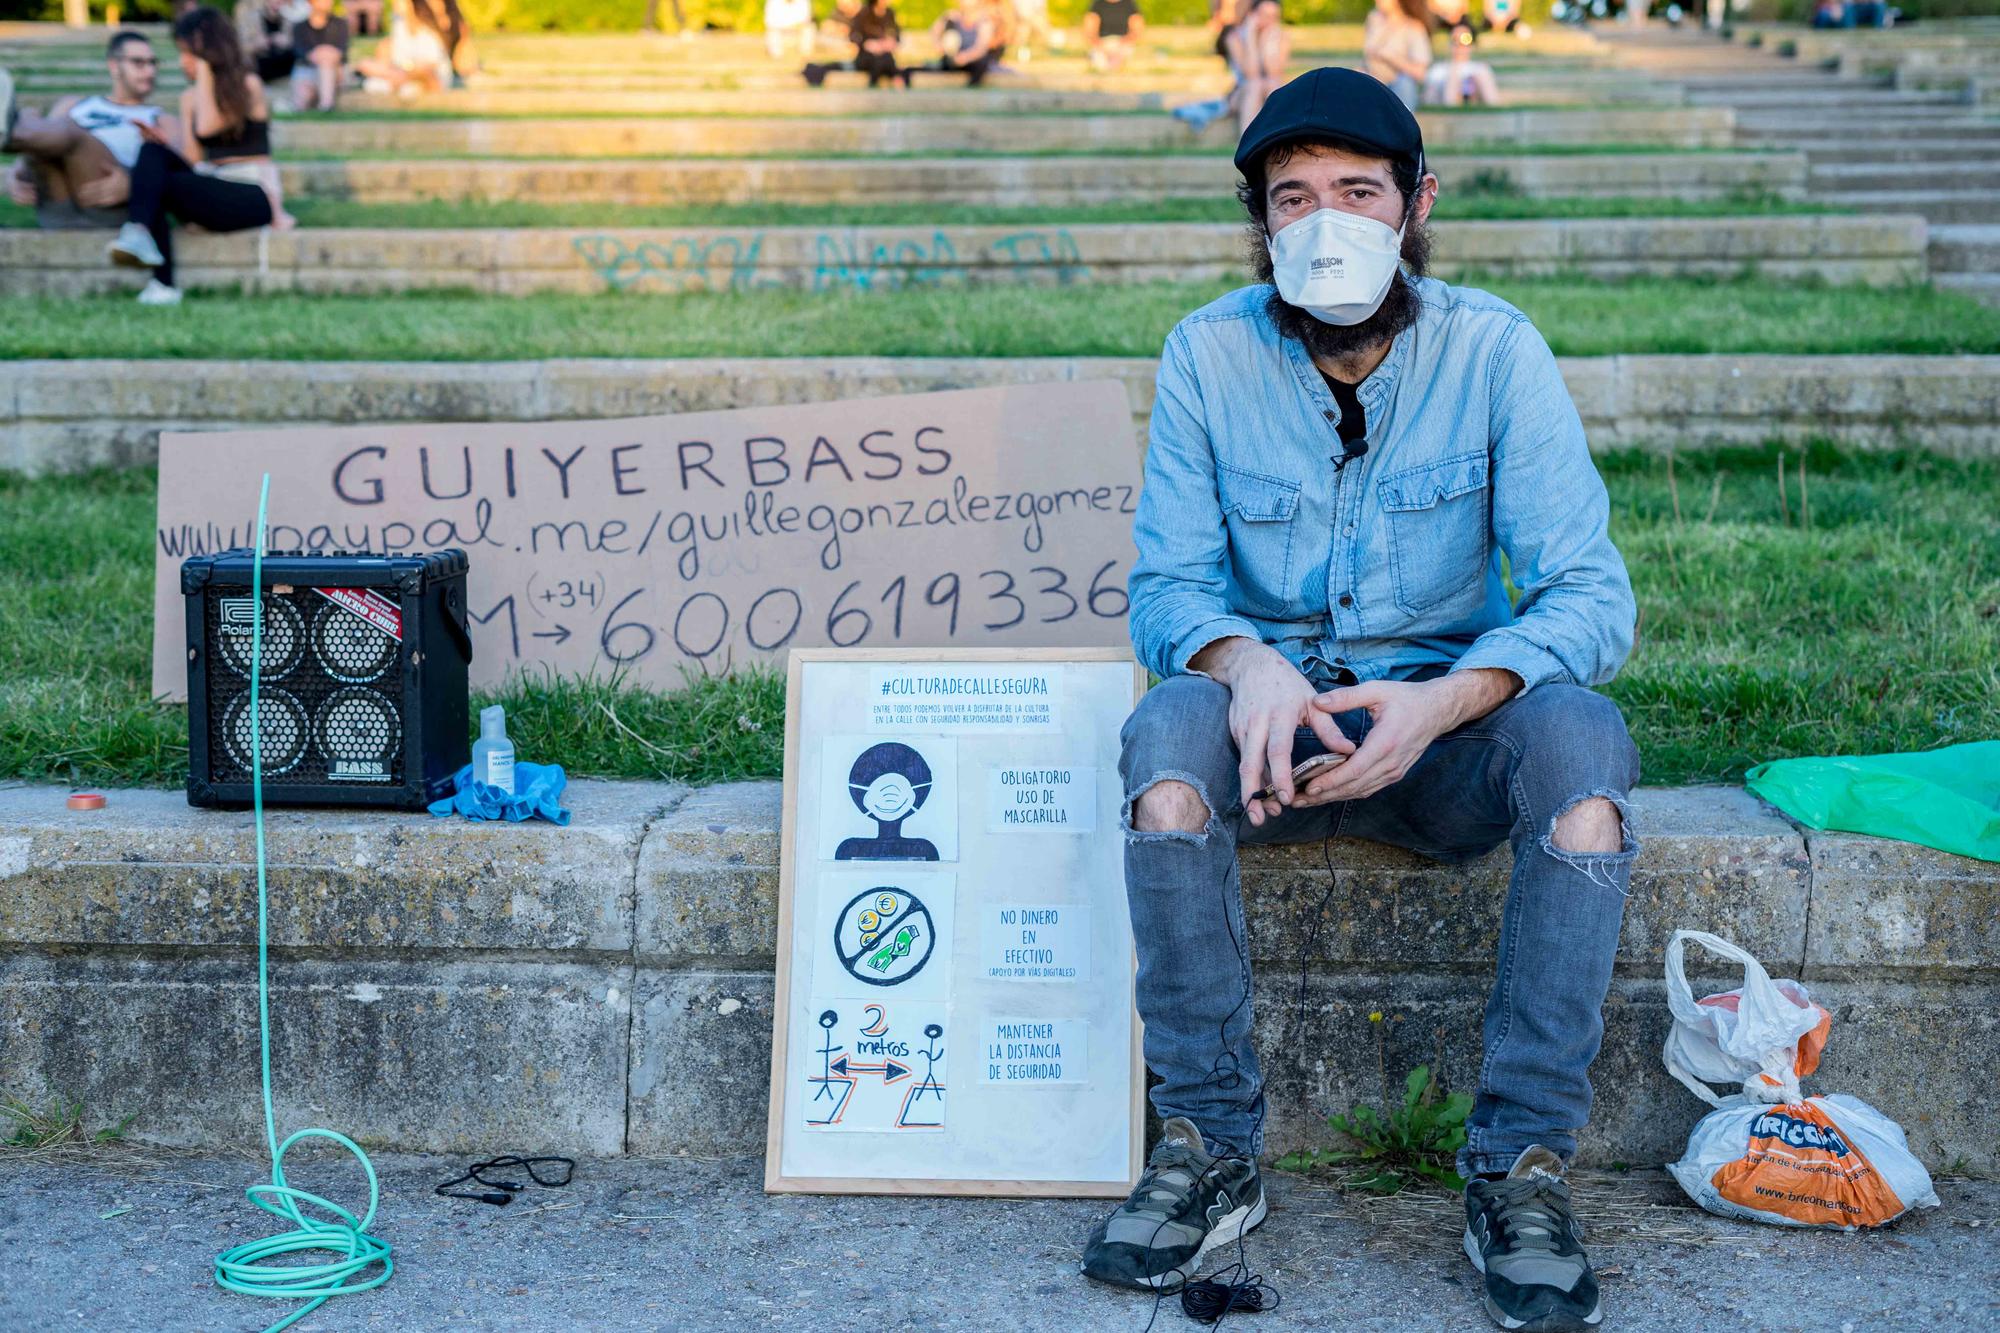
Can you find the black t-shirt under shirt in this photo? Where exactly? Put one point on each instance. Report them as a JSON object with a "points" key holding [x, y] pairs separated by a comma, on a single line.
{"points": [[1353, 419], [1114, 17]]}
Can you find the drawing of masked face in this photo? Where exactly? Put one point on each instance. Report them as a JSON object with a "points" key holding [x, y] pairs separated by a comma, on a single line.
{"points": [[890, 798]]}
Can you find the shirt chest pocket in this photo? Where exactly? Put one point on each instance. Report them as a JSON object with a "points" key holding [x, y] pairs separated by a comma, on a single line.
{"points": [[1440, 535], [1261, 514]]}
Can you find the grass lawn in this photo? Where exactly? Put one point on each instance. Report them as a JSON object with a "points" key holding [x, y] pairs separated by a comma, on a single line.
{"points": [[1870, 628], [1580, 316], [1452, 205]]}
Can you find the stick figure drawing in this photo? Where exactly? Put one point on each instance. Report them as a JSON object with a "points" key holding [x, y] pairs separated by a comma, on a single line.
{"points": [[828, 1080], [913, 1115]]}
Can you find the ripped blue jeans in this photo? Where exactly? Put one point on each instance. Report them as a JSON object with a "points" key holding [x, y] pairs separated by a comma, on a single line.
{"points": [[1505, 777]]}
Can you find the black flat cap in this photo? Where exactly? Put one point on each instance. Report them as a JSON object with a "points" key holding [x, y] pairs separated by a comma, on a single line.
{"points": [[1343, 104]]}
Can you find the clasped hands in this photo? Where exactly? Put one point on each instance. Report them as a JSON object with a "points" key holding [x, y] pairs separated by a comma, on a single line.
{"points": [[1269, 700]]}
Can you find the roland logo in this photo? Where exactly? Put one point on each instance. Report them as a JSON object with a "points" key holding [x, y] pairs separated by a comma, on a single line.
{"points": [[1798, 1133], [1328, 266], [358, 770], [238, 613]]}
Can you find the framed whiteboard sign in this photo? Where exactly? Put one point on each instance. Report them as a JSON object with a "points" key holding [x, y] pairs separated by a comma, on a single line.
{"points": [[954, 1008]]}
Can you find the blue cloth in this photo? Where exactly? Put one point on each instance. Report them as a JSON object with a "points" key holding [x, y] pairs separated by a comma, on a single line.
{"points": [[1391, 564], [538, 790]]}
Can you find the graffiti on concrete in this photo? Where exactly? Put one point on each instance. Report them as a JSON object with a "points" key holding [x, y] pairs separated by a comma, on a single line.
{"points": [[684, 264], [842, 260]]}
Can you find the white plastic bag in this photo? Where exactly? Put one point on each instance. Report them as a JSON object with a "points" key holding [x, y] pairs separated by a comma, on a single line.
{"points": [[1769, 1153], [1764, 1036]]}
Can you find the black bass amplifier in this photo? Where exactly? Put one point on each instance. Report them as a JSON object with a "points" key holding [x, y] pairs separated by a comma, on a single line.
{"points": [[362, 687]]}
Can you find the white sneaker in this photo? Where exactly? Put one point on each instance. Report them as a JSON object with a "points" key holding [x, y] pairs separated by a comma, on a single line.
{"points": [[134, 248], [158, 293]]}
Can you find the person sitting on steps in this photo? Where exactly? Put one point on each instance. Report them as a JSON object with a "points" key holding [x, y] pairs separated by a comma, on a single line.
{"points": [[969, 40], [877, 38], [264, 27], [76, 161], [1259, 48], [226, 181], [320, 42], [1460, 80], [871, 25], [1396, 47], [1340, 457], [1112, 30], [414, 59]]}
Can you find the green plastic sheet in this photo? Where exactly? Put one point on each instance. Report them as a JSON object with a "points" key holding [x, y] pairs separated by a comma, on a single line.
{"points": [[1948, 799]]}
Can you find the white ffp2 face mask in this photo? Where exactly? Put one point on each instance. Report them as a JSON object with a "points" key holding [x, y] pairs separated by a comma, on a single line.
{"points": [[1336, 266]]}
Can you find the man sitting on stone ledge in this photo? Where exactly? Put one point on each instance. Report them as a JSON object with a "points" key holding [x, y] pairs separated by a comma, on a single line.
{"points": [[75, 168], [1340, 458]]}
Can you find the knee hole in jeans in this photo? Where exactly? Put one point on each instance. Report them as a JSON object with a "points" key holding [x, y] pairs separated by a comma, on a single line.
{"points": [[1592, 825], [1170, 806]]}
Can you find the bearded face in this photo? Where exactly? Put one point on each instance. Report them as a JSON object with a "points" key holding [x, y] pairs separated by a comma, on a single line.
{"points": [[1400, 306]]}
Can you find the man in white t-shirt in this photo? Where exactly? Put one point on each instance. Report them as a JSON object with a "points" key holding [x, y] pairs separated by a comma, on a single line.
{"points": [[788, 21], [75, 163]]}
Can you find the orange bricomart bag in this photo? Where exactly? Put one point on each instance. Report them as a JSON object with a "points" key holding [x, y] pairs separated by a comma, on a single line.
{"points": [[1768, 1152]]}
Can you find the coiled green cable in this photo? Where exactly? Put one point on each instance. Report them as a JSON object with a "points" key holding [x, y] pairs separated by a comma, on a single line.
{"points": [[238, 1268]]}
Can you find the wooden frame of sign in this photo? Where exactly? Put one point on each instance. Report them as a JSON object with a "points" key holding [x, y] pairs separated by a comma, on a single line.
{"points": [[794, 844]]}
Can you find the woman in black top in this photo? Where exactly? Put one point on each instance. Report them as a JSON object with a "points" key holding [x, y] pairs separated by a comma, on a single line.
{"points": [[876, 38], [227, 182]]}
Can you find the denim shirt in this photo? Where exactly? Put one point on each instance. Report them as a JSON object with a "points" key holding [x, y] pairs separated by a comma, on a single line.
{"points": [[1390, 566]]}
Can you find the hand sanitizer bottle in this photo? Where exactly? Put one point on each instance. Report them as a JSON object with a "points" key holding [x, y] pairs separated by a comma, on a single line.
{"points": [[493, 753]]}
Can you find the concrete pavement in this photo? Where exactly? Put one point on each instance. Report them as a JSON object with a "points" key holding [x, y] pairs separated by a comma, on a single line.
{"points": [[669, 1244]]}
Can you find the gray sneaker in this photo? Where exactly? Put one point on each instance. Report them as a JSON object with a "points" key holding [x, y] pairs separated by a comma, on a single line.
{"points": [[1521, 1234], [1185, 1204]]}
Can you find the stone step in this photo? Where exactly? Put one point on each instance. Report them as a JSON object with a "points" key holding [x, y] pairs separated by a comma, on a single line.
{"points": [[1855, 176], [1877, 47], [556, 972], [1808, 101], [73, 415], [1831, 248], [1943, 160], [1841, 96], [745, 93], [925, 75], [849, 95], [1968, 248], [999, 181], [1842, 142], [1862, 130], [831, 101], [1942, 207], [1690, 58], [1899, 120], [1781, 77], [1983, 287], [752, 135]]}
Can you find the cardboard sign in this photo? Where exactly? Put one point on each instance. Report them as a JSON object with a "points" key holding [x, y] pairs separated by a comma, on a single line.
{"points": [[652, 544], [954, 1008]]}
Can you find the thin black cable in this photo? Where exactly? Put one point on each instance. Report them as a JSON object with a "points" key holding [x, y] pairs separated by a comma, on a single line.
{"points": [[1213, 1299], [501, 1192]]}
